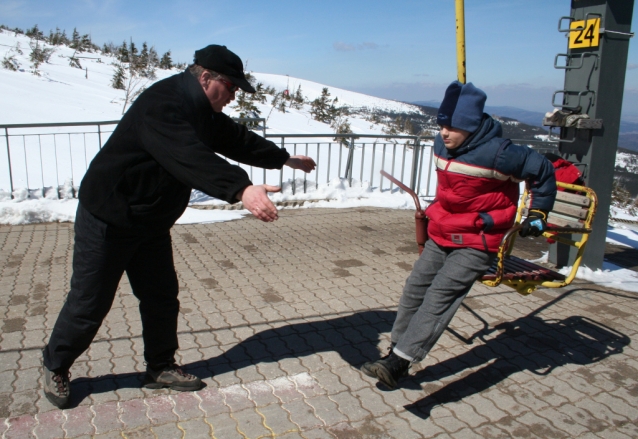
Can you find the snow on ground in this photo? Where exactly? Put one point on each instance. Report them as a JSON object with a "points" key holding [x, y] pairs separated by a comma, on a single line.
{"points": [[61, 93]]}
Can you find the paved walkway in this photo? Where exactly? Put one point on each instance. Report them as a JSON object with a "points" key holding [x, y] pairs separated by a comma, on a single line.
{"points": [[277, 317]]}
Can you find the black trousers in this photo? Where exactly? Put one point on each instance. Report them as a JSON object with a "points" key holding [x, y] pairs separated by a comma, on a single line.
{"points": [[101, 255]]}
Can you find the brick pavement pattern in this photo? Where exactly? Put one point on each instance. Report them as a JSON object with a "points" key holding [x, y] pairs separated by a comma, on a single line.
{"points": [[276, 318]]}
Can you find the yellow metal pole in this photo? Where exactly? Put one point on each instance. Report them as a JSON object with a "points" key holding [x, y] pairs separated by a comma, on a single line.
{"points": [[460, 41]]}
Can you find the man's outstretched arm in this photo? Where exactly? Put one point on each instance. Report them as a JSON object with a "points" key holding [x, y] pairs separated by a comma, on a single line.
{"points": [[301, 162], [255, 198]]}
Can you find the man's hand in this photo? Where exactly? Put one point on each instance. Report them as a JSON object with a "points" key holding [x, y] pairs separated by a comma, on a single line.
{"points": [[255, 199], [535, 223], [301, 162]]}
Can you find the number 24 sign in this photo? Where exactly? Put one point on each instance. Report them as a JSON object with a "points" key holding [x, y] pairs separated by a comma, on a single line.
{"points": [[584, 33]]}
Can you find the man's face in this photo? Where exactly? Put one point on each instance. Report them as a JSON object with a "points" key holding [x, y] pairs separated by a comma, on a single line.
{"points": [[453, 137], [216, 91]]}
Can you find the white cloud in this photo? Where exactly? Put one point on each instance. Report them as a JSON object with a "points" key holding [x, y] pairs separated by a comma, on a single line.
{"points": [[343, 47], [340, 46]]}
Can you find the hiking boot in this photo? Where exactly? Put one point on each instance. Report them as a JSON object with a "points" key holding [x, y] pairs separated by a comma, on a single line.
{"points": [[388, 369], [172, 377], [57, 388]]}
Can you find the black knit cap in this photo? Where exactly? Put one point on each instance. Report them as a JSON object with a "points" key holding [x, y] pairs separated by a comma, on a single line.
{"points": [[221, 60]]}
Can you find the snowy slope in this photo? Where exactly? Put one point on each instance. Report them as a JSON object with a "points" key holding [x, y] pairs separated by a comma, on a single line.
{"points": [[62, 93]]}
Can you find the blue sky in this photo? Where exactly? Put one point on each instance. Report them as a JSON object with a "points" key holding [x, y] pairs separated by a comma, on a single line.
{"points": [[400, 49]]}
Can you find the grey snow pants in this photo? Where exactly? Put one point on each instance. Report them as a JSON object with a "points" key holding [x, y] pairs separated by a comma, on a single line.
{"points": [[440, 280]]}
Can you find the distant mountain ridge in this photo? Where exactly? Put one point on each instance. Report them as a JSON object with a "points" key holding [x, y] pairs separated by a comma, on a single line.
{"points": [[627, 139], [533, 118], [513, 128]]}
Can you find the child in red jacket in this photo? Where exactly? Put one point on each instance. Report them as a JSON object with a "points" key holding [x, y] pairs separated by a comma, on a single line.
{"points": [[477, 195]]}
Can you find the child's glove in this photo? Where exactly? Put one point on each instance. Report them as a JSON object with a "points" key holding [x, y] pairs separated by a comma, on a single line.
{"points": [[535, 223]]}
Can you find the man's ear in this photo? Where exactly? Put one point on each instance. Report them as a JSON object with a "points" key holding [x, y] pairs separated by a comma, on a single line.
{"points": [[204, 79]]}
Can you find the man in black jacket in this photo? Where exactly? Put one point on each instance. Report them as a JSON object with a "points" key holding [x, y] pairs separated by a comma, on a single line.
{"points": [[135, 189]]}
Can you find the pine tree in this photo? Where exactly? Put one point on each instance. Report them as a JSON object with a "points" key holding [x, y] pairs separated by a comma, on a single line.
{"points": [[341, 125], [153, 59], [282, 104], [142, 63], [119, 77], [75, 61], [35, 33], [259, 95], [55, 38], [247, 108], [324, 110], [320, 107], [39, 53], [75, 40], [166, 62], [123, 53], [62, 38], [297, 99], [86, 43], [408, 128], [133, 57], [10, 62]]}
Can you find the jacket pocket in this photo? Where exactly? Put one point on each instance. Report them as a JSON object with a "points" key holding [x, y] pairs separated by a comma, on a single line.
{"points": [[145, 210]]}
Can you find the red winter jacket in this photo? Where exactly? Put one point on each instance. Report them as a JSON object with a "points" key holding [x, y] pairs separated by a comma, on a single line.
{"points": [[478, 188]]}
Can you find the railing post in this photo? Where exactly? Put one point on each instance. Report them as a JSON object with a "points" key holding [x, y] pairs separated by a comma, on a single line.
{"points": [[350, 161], [6, 136], [99, 137], [281, 172], [416, 152]]}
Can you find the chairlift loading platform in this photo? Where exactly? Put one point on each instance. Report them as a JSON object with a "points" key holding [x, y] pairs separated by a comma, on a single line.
{"points": [[573, 214]]}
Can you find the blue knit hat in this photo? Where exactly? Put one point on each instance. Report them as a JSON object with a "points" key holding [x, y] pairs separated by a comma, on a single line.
{"points": [[462, 107]]}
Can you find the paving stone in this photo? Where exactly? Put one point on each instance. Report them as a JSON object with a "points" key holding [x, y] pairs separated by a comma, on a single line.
{"points": [[186, 405], [562, 421], [600, 411], [350, 406], [260, 393], [612, 403], [169, 430], [49, 425], [195, 428], [326, 410], [302, 415], [277, 420], [251, 423], [225, 426], [212, 402], [372, 401], [133, 414], [20, 427], [79, 422], [285, 389], [467, 413], [160, 410], [106, 418]]}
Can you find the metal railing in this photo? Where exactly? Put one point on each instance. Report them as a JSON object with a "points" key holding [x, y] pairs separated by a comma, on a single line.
{"points": [[42, 157], [360, 157]]}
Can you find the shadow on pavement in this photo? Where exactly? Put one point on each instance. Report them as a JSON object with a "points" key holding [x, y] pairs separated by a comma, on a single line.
{"points": [[529, 343], [354, 337]]}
